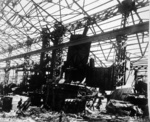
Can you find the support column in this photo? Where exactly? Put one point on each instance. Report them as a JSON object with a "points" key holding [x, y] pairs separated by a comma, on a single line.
{"points": [[6, 78], [27, 61], [45, 57], [56, 61], [57, 53], [125, 8], [121, 59], [16, 76], [26, 70], [148, 74]]}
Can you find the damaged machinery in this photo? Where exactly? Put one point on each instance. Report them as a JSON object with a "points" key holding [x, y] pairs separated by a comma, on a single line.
{"points": [[77, 85]]}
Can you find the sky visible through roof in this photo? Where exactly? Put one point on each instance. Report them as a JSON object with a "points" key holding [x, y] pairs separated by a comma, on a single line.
{"points": [[21, 20]]}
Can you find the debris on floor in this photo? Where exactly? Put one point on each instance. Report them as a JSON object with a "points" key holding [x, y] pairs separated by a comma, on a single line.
{"points": [[37, 114], [91, 107]]}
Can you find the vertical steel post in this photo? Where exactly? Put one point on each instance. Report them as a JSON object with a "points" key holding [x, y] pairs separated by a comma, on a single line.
{"points": [[6, 78], [121, 59], [27, 61], [148, 89]]}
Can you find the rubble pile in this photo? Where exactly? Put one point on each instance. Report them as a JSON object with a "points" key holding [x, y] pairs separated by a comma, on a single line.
{"points": [[123, 108], [36, 114], [116, 111], [72, 104]]}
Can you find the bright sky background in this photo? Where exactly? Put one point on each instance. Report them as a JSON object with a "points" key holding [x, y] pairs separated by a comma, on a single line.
{"points": [[22, 18]]}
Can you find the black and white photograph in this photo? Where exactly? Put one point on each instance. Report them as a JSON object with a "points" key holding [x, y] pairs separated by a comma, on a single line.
{"points": [[74, 61]]}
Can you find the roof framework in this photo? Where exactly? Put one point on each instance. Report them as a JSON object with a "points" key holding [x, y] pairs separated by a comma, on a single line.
{"points": [[23, 20]]}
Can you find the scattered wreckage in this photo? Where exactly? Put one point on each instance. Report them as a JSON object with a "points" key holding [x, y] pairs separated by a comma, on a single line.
{"points": [[72, 103]]}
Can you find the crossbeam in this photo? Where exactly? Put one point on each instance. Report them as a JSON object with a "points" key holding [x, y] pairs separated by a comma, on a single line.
{"points": [[78, 24], [138, 28]]}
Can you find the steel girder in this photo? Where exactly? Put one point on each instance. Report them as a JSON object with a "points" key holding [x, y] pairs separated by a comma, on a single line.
{"points": [[93, 19], [138, 28]]}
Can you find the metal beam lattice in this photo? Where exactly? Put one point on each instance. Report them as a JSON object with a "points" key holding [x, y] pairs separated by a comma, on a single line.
{"points": [[75, 25], [138, 28]]}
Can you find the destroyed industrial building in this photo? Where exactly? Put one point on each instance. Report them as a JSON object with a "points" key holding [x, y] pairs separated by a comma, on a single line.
{"points": [[74, 61]]}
